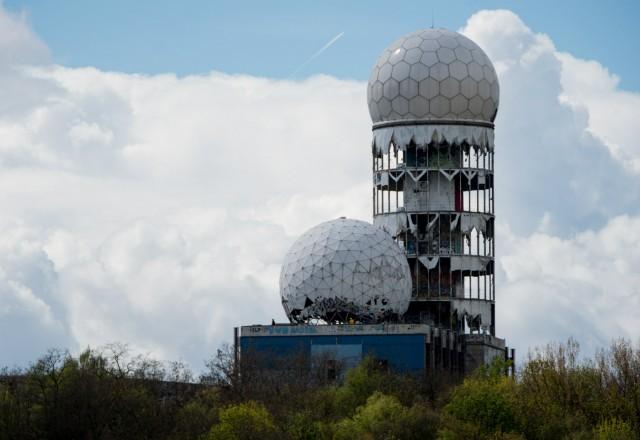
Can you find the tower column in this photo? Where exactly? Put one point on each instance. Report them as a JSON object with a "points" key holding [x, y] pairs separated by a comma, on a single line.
{"points": [[433, 96]]}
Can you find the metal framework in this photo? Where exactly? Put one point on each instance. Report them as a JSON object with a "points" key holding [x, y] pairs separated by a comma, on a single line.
{"points": [[437, 200]]}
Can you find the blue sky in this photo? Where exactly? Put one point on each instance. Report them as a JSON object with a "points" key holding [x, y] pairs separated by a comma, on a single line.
{"points": [[274, 38], [134, 205]]}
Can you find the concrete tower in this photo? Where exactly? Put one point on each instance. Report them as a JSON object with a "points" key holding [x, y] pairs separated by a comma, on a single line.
{"points": [[428, 305], [433, 96]]}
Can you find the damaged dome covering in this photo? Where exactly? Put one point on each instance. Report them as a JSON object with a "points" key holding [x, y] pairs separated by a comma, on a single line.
{"points": [[344, 270], [437, 79]]}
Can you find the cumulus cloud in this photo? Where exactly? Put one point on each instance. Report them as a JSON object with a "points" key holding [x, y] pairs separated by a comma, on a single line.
{"points": [[33, 316], [19, 45], [567, 190], [549, 160], [156, 210], [585, 286], [612, 113]]}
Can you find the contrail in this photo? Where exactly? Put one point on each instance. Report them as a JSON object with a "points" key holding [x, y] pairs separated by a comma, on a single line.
{"points": [[318, 53]]}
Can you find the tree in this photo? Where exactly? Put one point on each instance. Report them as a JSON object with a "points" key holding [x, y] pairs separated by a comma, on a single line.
{"points": [[244, 421], [614, 429], [484, 404], [196, 417], [384, 417]]}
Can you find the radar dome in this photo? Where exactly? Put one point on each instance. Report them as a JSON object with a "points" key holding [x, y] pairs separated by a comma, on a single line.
{"points": [[433, 74], [345, 269]]}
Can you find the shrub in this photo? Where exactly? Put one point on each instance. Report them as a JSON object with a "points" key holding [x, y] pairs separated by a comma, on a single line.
{"points": [[244, 421], [384, 417], [613, 429]]}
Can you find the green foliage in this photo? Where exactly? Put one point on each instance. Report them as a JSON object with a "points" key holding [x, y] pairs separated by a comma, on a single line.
{"points": [[109, 394], [481, 406], [384, 417], [562, 398], [614, 429], [361, 382], [245, 421], [195, 418], [304, 426]]}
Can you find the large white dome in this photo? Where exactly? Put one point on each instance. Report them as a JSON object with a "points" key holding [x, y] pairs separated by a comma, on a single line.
{"points": [[433, 74], [345, 269]]}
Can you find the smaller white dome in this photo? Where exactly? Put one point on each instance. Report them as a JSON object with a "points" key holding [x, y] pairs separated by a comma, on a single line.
{"points": [[345, 269], [433, 74]]}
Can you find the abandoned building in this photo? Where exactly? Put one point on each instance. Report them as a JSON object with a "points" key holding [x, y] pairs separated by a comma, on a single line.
{"points": [[415, 290]]}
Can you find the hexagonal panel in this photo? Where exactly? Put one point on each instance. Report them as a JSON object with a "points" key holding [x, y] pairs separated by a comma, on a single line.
{"points": [[419, 72], [463, 54], [430, 34], [376, 91], [400, 71], [396, 56], [447, 41], [400, 105], [429, 88], [439, 71], [412, 42], [459, 104], [479, 57], [488, 110], [469, 87], [484, 89], [408, 88], [495, 92], [384, 107], [439, 106], [475, 105], [374, 74], [465, 42], [373, 110], [418, 107], [429, 45], [446, 55], [466, 115], [384, 57], [458, 70], [413, 55], [450, 87], [396, 44], [385, 72], [390, 88], [489, 74], [429, 58], [475, 71]]}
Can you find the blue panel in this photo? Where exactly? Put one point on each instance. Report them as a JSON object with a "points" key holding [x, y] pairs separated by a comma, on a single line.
{"points": [[403, 353], [349, 355]]}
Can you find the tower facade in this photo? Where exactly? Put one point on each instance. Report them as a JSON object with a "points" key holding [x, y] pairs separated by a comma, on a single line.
{"points": [[433, 96]]}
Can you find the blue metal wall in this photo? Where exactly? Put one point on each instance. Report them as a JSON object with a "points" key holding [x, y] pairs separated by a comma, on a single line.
{"points": [[404, 353]]}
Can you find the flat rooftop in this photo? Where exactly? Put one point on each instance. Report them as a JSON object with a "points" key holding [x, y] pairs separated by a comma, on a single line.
{"points": [[336, 330]]}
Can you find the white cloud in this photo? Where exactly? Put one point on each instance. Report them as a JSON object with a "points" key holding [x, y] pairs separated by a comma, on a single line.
{"points": [[32, 313], [567, 201], [18, 44], [613, 113], [584, 286], [548, 159], [155, 210]]}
